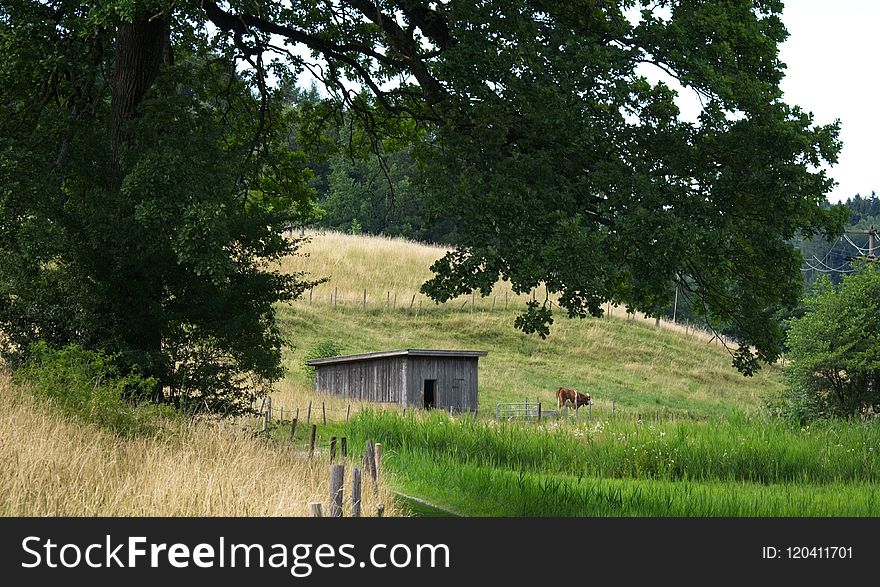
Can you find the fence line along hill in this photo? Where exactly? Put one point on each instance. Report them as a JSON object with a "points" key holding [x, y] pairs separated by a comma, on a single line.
{"points": [[371, 302]]}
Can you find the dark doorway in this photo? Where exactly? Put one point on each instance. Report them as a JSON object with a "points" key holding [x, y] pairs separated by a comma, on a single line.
{"points": [[430, 385]]}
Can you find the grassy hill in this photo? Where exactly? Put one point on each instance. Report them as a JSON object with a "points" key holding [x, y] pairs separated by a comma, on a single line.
{"points": [[640, 367], [712, 452]]}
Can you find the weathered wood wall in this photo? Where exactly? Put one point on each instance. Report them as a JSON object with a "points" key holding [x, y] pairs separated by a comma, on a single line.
{"points": [[378, 380], [401, 380], [456, 385]]}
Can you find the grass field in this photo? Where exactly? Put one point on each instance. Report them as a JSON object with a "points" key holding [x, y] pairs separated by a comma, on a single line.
{"points": [[53, 465], [640, 367], [705, 445], [715, 451], [740, 466]]}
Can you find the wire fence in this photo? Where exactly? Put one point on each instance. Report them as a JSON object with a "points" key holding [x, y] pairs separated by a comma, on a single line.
{"points": [[416, 304], [538, 411]]}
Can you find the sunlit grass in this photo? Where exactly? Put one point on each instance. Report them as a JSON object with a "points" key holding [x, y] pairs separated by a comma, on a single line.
{"points": [[641, 368], [52, 465]]}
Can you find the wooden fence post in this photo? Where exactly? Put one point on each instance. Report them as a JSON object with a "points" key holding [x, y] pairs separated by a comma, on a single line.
{"points": [[312, 440], [380, 509], [365, 298], [612, 408], [344, 447], [370, 461], [347, 413], [356, 493], [293, 426], [315, 509], [309, 414], [377, 452], [337, 478], [332, 448], [539, 410], [323, 414]]}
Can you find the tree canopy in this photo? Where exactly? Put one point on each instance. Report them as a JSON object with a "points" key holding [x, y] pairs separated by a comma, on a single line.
{"points": [[144, 154]]}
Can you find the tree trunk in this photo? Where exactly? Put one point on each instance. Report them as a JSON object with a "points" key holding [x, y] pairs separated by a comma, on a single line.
{"points": [[141, 47]]}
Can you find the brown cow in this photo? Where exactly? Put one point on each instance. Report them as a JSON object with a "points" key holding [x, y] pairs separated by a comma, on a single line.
{"points": [[568, 395]]}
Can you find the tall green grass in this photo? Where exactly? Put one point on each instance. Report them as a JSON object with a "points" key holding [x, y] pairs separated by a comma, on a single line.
{"points": [[479, 490], [743, 449]]}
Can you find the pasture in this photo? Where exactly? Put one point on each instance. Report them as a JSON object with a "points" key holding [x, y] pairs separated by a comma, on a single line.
{"points": [[714, 450], [688, 435], [638, 366]]}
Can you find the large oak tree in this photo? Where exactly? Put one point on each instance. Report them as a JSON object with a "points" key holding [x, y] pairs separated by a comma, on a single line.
{"points": [[534, 119]]}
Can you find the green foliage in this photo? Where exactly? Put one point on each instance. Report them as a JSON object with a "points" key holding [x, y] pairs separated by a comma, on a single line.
{"points": [[382, 196], [140, 199], [612, 195], [835, 348], [733, 467], [325, 348], [159, 254], [88, 385]]}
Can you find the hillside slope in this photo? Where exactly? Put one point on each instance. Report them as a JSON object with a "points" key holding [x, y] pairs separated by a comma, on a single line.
{"points": [[641, 368]]}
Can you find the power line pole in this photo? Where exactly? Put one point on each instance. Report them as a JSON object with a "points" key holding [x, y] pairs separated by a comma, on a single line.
{"points": [[872, 243]]}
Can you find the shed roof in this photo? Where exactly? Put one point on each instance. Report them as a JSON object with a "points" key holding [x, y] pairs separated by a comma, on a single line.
{"points": [[398, 353]]}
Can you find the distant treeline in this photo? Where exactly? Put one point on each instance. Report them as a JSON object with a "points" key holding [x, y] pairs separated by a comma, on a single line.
{"points": [[376, 189], [364, 185]]}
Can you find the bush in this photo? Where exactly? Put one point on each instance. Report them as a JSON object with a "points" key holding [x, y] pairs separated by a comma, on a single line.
{"points": [[835, 349], [86, 384], [325, 348]]}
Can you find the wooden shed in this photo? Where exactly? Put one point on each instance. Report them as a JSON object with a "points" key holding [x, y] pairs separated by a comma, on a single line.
{"points": [[419, 378]]}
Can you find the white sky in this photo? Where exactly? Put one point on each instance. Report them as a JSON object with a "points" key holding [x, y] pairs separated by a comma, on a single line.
{"points": [[832, 58]]}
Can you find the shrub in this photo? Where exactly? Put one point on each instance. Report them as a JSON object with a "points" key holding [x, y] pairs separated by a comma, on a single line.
{"points": [[325, 348], [835, 349], [86, 384]]}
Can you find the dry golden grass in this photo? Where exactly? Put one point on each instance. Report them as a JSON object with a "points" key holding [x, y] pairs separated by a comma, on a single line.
{"points": [[392, 270], [292, 394], [53, 466]]}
